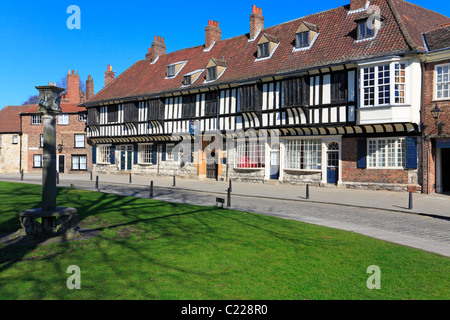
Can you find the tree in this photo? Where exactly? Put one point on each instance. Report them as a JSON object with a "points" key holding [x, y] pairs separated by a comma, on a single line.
{"points": [[33, 99]]}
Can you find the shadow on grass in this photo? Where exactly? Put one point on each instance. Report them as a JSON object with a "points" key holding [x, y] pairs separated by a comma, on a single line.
{"points": [[123, 212]]}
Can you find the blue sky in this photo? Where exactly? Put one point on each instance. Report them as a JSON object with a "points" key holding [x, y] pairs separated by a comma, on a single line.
{"points": [[37, 47]]}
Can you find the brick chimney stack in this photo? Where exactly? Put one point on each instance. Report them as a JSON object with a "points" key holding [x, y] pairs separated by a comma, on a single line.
{"points": [[158, 49], [73, 87], [357, 4], [256, 22], [109, 75], [212, 33], [89, 87]]}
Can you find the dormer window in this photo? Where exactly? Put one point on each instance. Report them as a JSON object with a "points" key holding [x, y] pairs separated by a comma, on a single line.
{"points": [[302, 39], [215, 68], [306, 35], [368, 25], [364, 31], [174, 68], [171, 70], [267, 45], [263, 50], [187, 80], [191, 77], [211, 73]]}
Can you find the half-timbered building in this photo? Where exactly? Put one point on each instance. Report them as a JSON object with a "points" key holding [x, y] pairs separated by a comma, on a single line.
{"points": [[329, 98]]}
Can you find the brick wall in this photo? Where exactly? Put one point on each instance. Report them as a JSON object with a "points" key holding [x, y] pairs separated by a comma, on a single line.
{"points": [[65, 135], [429, 129], [350, 172]]}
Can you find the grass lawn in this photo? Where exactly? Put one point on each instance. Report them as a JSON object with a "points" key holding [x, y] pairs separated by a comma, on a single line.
{"points": [[149, 249]]}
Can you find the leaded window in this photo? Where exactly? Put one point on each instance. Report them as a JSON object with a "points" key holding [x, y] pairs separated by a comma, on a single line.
{"points": [[250, 154], [104, 154], [303, 154], [386, 153], [145, 153]]}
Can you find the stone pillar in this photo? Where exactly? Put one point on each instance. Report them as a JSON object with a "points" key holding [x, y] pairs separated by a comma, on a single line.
{"points": [[49, 99]]}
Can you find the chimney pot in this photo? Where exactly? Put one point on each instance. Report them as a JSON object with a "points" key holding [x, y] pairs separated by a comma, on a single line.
{"points": [[73, 87], [256, 22], [212, 33]]}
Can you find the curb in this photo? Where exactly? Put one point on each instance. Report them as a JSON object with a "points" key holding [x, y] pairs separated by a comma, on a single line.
{"points": [[262, 197]]}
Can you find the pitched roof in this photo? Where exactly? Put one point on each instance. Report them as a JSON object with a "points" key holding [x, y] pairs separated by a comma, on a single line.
{"points": [[414, 20], [438, 39], [401, 31], [65, 108], [10, 118]]}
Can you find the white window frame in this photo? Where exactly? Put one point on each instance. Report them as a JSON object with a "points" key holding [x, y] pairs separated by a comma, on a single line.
{"points": [[252, 150], [15, 139], [394, 84], [79, 156], [36, 119], [145, 153], [37, 156], [386, 153], [169, 154], [62, 119], [436, 83], [312, 155], [76, 142], [104, 154]]}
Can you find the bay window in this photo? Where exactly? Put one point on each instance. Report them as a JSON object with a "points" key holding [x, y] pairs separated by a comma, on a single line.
{"points": [[383, 85]]}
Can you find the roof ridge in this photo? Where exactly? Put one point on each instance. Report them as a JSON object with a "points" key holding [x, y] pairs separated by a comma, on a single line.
{"points": [[403, 29]]}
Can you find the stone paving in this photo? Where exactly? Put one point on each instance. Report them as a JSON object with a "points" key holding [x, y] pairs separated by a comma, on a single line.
{"points": [[378, 214]]}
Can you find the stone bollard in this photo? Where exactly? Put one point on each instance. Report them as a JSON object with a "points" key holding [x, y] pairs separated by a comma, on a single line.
{"points": [[174, 182], [229, 197], [96, 182], [410, 203], [307, 191], [130, 179]]}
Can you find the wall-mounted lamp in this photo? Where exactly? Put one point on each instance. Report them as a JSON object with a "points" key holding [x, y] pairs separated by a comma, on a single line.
{"points": [[60, 147], [436, 113]]}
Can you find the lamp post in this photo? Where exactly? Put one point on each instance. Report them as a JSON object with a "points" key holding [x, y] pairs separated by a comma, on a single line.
{"points": [[436, 113]]}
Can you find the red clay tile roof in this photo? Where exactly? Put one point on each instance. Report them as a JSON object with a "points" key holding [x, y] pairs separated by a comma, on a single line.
{"points": [[438, 39], [401, 32], [65, 107], [10, 118], [416, 21]]}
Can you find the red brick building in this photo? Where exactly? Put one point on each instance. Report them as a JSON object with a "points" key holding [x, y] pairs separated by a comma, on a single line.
{"points": [[73, 152], [436, 93]]}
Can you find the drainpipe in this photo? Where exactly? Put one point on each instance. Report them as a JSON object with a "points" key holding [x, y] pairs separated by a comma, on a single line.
{"points": [[422, 129]]}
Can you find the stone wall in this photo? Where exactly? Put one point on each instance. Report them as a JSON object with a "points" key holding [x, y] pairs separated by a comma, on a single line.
{"points": [[9, 154]]}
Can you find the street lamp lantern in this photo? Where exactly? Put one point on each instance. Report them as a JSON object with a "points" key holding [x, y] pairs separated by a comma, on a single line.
{"points": [[436, 113]]}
